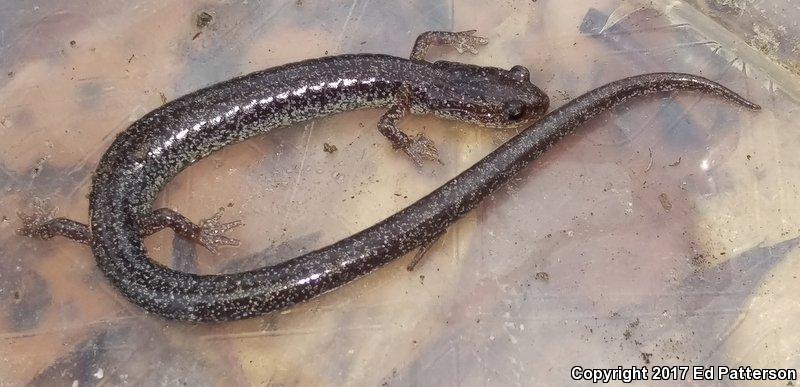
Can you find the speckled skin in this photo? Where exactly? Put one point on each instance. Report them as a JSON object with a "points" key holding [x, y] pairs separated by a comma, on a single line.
{"points": [[158, 146]]}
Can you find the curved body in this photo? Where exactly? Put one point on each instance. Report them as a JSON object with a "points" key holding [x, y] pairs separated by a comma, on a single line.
{"points": [[139, 163]]}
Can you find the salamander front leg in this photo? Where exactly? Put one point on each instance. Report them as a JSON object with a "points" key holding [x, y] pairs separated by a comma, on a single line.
{"points": [[42, 224], [461, 41], [209, 233], [418, 148]]}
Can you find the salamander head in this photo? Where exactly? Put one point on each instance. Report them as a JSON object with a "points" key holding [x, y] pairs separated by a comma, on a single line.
{"points": [[487, 96]]}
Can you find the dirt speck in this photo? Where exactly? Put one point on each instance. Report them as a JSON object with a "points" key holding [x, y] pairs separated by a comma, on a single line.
{"points": [[203, 19], [387, 380], [699, 260], [646, 357], [329, 148], [542, 276], [665, 203], [37, 169]]}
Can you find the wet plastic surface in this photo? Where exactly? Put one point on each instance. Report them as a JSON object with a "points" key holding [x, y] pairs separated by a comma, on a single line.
{"points": [[663, 233]]}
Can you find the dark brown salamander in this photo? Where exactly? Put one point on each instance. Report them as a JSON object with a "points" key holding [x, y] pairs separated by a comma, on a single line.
{"points": [[158, 146]]}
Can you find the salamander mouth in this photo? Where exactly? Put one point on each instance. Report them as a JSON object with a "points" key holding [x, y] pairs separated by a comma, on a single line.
{"points": [[467, 114], [487, 119], [455, 110]]}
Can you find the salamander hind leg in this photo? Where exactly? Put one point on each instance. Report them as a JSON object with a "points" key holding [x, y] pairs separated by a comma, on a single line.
{"points": [[209, 233], [42, 224], [418, 148], [462, 41]]}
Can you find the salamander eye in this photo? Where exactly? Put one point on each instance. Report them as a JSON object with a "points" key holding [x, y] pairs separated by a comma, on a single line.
{"points": [[520, 73], [514, 110]]}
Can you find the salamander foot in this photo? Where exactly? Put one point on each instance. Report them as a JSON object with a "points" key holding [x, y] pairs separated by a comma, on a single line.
{"points": [[42, 223], [210, 232], [421, 148]]}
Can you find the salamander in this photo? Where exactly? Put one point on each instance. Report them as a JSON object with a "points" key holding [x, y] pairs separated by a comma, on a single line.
{"points": [[149, 153]]}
